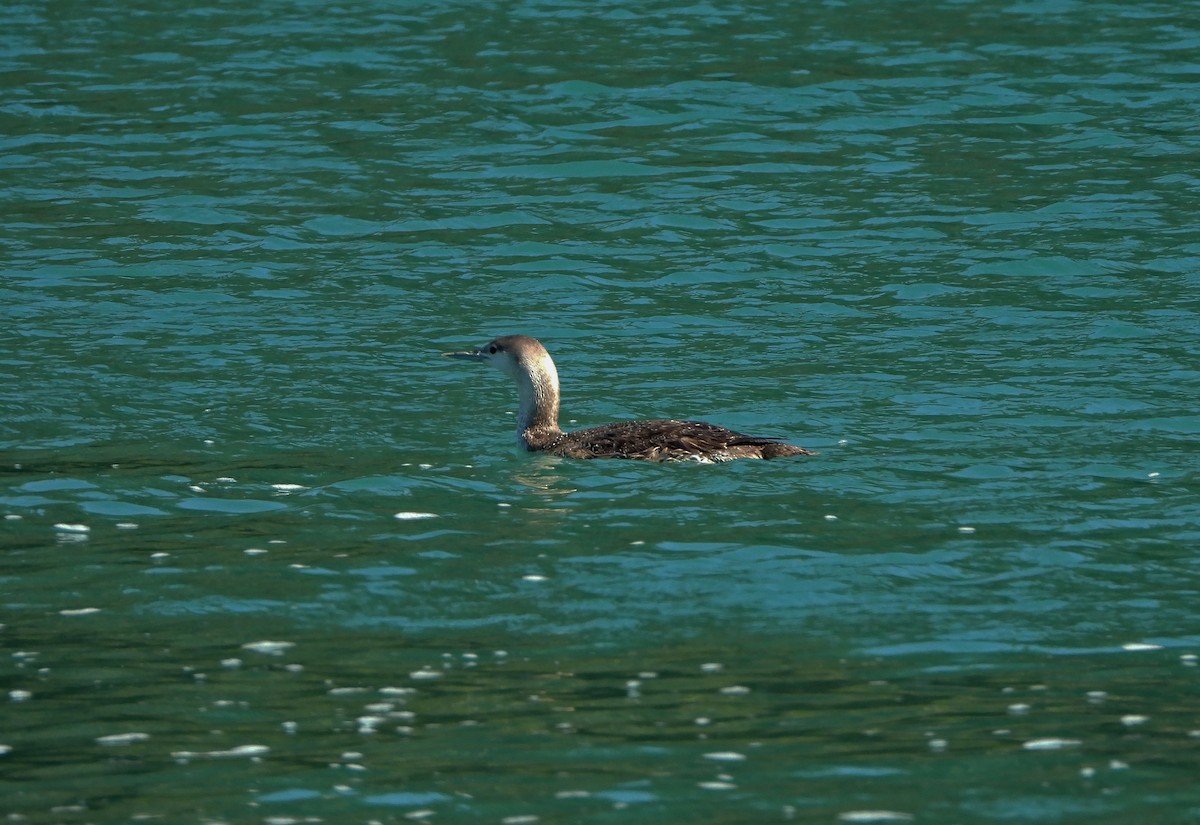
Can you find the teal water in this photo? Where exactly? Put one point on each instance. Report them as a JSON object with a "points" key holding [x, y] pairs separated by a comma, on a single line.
{"points": [[267, 557]]}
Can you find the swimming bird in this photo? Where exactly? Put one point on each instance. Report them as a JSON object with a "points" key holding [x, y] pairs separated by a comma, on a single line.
{"points": [[526, 361]]}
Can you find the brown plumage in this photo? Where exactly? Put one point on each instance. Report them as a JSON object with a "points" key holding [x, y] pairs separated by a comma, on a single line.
{"points": [[528, 363]]}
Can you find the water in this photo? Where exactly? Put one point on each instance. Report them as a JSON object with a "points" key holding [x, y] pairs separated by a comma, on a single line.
{"points": [[268, 557]]}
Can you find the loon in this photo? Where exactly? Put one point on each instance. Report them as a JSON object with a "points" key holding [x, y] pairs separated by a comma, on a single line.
{"points": [[528, 363]]}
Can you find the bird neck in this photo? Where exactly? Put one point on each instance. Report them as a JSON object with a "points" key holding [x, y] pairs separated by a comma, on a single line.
{"points": [[537, 415]]}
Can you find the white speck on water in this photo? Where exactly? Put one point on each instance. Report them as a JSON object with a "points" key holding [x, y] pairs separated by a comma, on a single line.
{"points": [[12, 517], [72, 528], [735, 690], [1134, 646], [1050, 744], [226, 480], [239, 751], [397, 691], [966, 529], [255, 551], [726, 756], [716, 786], [20, 695], [269, 648], [874, 816], [426, 674], [411, 516], [712, 667], [533, 577], [127, 525], [1130, 720], [79, 611], [232, 664], [1019, 707], [830, 517], [247, 750], [122, 738], [368, 724], [346, 691]]}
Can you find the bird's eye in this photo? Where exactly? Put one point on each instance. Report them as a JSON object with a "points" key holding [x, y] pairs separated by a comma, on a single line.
{"points": [[492, 349]]}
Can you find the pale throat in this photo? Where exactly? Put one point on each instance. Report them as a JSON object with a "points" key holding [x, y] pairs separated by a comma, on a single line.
{"points": [[538, 390]]}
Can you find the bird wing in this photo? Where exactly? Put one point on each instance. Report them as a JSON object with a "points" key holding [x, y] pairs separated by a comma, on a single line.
{"points": [[665, 440]]}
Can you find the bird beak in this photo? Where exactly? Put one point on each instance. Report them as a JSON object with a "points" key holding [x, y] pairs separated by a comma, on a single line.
{"points": [[475, 353]]}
